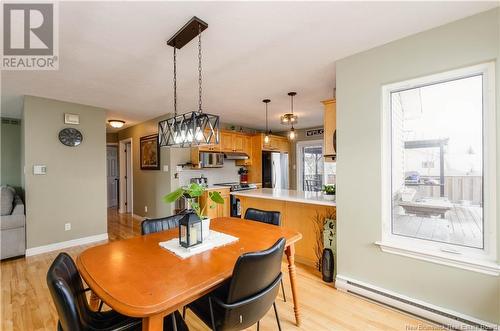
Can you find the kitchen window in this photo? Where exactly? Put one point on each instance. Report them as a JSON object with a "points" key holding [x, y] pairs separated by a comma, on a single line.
{"points": [[439, 168]]}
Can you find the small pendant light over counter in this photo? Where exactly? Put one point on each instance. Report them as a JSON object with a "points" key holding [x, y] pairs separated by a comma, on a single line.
{"points": [[268, 132], [193, 128], [291, 134]]}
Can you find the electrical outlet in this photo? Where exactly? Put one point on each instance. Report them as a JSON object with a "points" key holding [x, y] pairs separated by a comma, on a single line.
{"points": [[145, 209], [165, 168], [67, 226]]}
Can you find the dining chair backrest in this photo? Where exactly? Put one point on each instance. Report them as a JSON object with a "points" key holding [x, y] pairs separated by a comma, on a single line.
{"points": [[67, 291], [263, 216], [253, 287], [160, 224]]}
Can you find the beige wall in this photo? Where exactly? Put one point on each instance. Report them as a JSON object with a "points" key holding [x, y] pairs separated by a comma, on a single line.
{"points": [[111, 137], [151, 185], [74, 188], [359, 80]]}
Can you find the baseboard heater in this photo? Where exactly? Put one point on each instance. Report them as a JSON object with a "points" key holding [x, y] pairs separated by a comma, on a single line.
{"points": [[446, 318]]}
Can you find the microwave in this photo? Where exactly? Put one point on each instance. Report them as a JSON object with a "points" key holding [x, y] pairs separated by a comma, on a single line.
{"points": [[211, 160]]}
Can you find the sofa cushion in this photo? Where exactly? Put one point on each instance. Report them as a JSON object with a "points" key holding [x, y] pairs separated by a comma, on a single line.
{"points": [[6, 200]]}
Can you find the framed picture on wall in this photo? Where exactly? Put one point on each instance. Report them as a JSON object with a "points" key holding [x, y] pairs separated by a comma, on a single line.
{"points": [[150, 152]]}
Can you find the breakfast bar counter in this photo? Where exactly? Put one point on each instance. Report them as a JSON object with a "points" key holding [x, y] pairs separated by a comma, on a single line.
{"points": [[300, 211]]}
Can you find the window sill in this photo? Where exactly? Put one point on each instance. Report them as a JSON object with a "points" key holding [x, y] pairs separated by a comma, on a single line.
{"points": [[485, 267]]}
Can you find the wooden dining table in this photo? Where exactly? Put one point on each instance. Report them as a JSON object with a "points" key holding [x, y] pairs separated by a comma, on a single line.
{"points": [[136, 277]]}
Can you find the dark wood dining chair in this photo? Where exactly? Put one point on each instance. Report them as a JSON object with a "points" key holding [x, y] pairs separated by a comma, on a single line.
{"points": [[67, 291], [247, 296], [160, 224], [269, 217]]}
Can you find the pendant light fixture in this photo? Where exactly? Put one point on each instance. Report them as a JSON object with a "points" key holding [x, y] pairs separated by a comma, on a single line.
{"points": [[291, 134], [290, 118], [193, 128], [268, 132]]}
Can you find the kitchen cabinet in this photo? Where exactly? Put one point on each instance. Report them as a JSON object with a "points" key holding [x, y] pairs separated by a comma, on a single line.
{"points": [[247, 149], [232, 142], [276, 144], [226, 141], [329, 126], [222, 210]]}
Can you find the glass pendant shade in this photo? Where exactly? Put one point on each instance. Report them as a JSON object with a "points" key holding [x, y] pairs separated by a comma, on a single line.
{"points": [[189, 129], [292, 134], [289, 119], [266, 139]]}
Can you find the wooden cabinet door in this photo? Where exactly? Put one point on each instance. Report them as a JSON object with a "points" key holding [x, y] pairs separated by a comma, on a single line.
{"points": [[284, 145], [238, 142], [226, 141], [224, 210], [329, 126]]}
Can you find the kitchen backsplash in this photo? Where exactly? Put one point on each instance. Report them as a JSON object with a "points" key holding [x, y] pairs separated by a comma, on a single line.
{"points": [[227, 174]]}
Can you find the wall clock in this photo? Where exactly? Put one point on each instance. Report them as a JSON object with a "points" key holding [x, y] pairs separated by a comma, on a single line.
{"points": [[70, 137]]}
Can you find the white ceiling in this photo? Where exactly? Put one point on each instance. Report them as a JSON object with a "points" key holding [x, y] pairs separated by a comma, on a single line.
{"points": [[113, 54]]}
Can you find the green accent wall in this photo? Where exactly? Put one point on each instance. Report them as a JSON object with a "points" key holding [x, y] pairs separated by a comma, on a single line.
{"points": [[11, 152]]}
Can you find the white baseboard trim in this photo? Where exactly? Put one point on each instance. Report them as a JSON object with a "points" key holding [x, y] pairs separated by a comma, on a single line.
{"points": [[66, 244], [446, 317]]}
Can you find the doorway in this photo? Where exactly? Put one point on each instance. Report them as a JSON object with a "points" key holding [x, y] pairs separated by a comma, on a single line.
{"points": [[126, 177], [312, 170], [113, 174]]}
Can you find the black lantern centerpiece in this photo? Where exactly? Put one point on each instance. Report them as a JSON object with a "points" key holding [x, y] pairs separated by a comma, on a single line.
{"points": [[190, 230]]}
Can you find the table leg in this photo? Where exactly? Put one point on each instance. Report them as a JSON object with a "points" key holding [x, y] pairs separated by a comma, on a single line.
{"points": [[152, 323], [290, 255], [94, 301]]}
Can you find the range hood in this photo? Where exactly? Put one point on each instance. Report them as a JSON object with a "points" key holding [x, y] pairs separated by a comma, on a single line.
{"points": [[236, 156]]}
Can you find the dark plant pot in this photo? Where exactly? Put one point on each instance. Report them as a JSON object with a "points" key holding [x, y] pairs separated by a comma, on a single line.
{"points": [[327, 265]]}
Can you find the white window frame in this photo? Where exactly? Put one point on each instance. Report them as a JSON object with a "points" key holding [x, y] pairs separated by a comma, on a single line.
{"points": [[480, 260]]}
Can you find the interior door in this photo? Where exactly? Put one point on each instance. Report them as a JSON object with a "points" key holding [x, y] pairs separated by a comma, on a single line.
{"points": [[112, 175]]}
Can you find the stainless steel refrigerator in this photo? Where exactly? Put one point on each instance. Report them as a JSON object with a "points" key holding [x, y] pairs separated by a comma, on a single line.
{"points": [[275, 170]]}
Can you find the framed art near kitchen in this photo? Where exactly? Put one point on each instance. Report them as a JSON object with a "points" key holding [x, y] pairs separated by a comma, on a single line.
{"points": [[150, 152]]}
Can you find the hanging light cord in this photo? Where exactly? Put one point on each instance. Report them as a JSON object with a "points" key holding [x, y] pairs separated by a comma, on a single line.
{"points": [[199, 69], [175, 81], [267, 131], [292, 102]]}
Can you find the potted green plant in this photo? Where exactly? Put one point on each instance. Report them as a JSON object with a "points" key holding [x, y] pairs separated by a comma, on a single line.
{"points": [[329, 192], [191, 194]]}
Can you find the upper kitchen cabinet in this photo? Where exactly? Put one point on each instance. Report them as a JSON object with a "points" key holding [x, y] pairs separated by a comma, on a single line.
{"points": [[233, 142], [276, 144], [330, 126], [213, 147], [247, 149]]}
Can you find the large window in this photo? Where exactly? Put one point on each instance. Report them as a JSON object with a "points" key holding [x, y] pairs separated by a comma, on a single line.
{"points": [[440, 163]]}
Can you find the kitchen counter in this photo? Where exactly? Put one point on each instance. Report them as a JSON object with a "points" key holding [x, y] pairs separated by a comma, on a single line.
{"points": [[301, 211], [314, 198]]}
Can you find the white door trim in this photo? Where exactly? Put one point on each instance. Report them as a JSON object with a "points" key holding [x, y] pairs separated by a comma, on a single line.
{"points": [[123, 172], [298, 159]]}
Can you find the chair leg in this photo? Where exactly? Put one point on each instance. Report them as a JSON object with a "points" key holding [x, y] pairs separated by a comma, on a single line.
{"points": [[283, 290], [211, 313], [174, 322], [277, 317], [184, 312], [100, 306], [258, 325]]}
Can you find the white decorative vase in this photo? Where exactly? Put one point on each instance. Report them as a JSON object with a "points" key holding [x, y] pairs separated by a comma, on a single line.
{"points": [[329, 197], [205, 228]]}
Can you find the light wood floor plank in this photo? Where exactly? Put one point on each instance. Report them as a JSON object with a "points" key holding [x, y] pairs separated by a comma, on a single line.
{"points": [[26, 303]]}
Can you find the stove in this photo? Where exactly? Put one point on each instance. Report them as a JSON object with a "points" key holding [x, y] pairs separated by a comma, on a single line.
{"points": [[233, 187], [235, 205]]}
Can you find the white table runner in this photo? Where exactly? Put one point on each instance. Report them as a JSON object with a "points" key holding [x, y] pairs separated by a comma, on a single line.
{"points": [[215, 239]]}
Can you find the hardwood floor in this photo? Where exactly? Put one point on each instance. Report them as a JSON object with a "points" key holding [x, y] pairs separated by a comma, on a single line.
{"points": [[26, 303]]}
